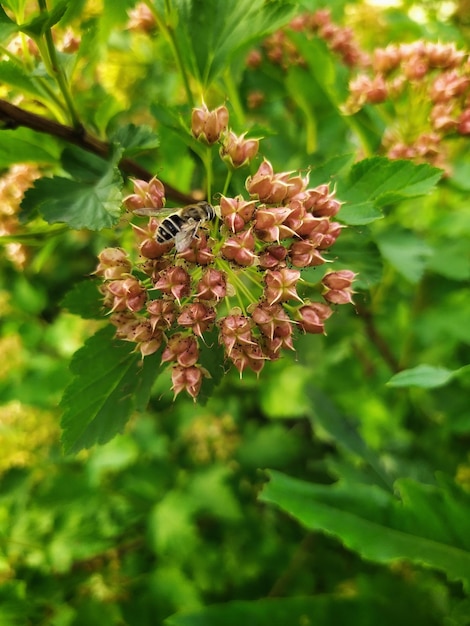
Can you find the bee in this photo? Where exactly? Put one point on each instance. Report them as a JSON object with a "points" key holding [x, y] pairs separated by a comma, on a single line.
{"points": [[182, 225]]}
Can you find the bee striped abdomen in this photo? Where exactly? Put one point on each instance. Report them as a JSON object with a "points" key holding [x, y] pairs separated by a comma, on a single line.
{"points": [[169, 228]]}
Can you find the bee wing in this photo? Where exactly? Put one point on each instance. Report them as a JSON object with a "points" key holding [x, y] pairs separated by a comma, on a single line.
{"points": [[184, 237], [151, 212]]}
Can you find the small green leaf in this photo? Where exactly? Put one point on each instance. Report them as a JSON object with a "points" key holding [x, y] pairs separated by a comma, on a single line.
{"points": [[425, 376], [7, 25], [406, 252], [330, 169], [45, 20], [85, 300], [381, 528], [135, 139], [14, 75], [109, 382]]}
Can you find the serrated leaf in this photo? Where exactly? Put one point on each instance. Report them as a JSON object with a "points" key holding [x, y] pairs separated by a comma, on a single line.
{"points": [[424, 376], [94, 202], [85, 300], [223, 28], [373, 183], [25, 146], [379, 527], [7, 25], [329, 170], [109, 382], [406, 252], [135, 139]]}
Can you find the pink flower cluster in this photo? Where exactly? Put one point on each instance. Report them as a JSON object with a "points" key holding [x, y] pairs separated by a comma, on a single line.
{"points": [[281, 50], [240, 274], [428, 85]]}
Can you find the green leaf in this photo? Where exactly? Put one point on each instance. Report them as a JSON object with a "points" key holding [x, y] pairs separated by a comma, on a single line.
{"points": [[93, 201], [7, 25], [211, 357], [25, 146], [45, 20], [406, 252], [109, 382], [135, 139], [320, 610], [424, 376], [376, 182], [85, 300], [210, 32], [379, 527], [15, 76], [330, 169]]}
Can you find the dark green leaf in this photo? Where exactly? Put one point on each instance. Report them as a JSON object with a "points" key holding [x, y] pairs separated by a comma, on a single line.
{"points": [[85, 300], [211, 357], [319, 610], [329, 171], [425, 376], [109, 382], [93, 201], [379, 527]]}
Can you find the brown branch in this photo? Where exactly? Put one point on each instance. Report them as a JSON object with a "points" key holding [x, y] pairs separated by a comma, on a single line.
{"points": [[377, 339], [13, 116]]}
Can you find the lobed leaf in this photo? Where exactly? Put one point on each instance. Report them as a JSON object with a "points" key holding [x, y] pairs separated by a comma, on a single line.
{"points": [[25, 146], [109, 382], [421, 528], [85, 300], [376, 182]]}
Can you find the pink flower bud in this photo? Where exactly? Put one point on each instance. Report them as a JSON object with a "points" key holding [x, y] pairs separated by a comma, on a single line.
{"points": [[128, 292], [114, 263], [147, 195], [240, 248], [174, 281], [341, 279], [267, 186], [464, 122], [162, 313], [238, 151], [236, 212], [281, 285], [212, 286], [272, 320], [305, 254], [235, 330], [269, 223], [198, 251], [312, 316], [182, 349], [207, 126], [149, 246], [187, 379], [197, 316], [272, 257]]}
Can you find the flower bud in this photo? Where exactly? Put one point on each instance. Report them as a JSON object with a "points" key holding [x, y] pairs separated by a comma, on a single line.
{"points": [[147, 196], [272, 257], [162, 313], [212, 286], [182, 349], [174, 281], [207, 126], [187, 379], [280, 285], [235, 330], [240, 248], [114, 263], [236, 212], [311, 317], [197, 316], [238, 151], [338, 286]]}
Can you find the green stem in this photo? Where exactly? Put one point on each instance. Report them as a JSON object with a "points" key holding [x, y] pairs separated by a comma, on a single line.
{"points": [[207, 160], [228, 180], [166, 28], [52, 63]]}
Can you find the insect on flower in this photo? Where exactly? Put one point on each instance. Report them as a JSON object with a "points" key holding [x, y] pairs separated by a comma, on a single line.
{"points": [[181, 225]]}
